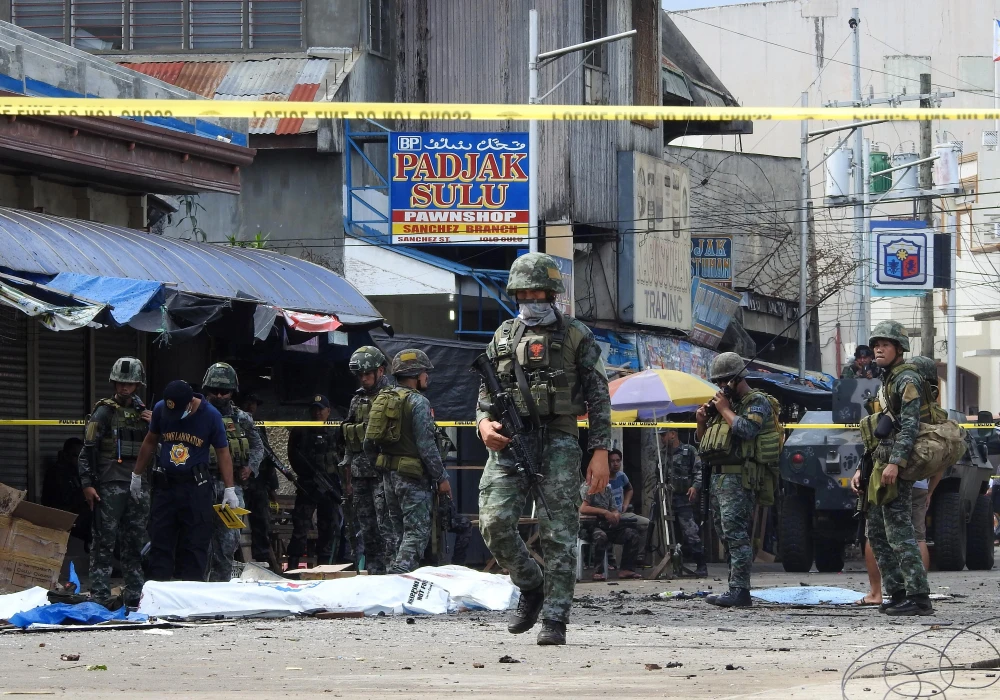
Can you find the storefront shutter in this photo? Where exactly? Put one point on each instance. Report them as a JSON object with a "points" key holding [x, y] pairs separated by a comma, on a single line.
{"points": [[62, 384], [13, 397]]}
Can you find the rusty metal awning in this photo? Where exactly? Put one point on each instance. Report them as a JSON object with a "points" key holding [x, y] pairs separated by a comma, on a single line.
{"points": [[38, 244]]}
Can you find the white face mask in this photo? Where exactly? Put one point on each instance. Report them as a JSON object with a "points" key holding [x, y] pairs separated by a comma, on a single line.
{"points": [[537, 313]]}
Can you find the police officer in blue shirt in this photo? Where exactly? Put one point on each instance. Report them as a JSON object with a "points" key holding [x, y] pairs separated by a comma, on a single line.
{"points": [[182, 518]]}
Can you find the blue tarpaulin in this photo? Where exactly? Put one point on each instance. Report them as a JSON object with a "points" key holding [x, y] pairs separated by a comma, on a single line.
{"points": [[81, 613], [127, 296], [807, 595]]}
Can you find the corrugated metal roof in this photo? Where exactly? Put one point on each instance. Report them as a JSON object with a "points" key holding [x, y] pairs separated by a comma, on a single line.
{"points": [[274, 76], [274, 79], [203, 78], [41, 244]]}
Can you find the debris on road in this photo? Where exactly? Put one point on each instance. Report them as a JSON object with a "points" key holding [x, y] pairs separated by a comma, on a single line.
{"points": [[653, 667], [508, 659], [478, 665], [97, 667], [69, 657]]}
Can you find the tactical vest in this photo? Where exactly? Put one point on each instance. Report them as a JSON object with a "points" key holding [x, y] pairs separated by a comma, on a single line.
{"points": [[239, 445], [757, 459], [128, 430], [390, 426], [889, 398], [320, 448], [354, 432], [548, 356], [680, 468]]}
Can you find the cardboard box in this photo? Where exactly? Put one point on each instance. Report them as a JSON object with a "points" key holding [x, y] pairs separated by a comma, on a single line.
{"points": [[33, 541]]}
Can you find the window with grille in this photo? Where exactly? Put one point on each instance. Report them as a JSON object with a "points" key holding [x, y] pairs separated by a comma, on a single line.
{"points": [[275, 23], [45, 17], [217, 24], [98, 25], [595, 26], [378, 27], [205, 25], [157, 24]]}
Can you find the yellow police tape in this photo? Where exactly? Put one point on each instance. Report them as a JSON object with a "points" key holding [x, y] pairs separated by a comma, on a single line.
{"points": [[13, 422], [380, 111]]}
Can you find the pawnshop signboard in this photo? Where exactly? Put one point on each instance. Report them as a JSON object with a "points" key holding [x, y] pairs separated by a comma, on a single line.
{"points": [[468, 188]]}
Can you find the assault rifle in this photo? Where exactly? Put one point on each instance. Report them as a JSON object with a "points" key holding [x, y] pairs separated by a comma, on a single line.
{"points": [[319, 479], [504, 410], [283, 469]]}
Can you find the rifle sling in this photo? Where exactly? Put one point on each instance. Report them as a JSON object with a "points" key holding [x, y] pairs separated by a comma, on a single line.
{"points": [[529, 400]]}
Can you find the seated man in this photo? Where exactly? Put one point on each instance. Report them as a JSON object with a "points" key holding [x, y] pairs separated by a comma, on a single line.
{"points": [[622, 490], [609, 529]]}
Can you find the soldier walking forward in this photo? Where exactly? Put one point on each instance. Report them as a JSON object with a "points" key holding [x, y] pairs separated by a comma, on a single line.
{"points": [[552, 366], [114, 434]]}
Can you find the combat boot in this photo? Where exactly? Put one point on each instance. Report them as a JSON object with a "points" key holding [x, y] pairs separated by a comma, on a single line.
{"points": [[702, 570], [735, 598], [553, 633], [895, 598], [913, 605], [529, 607]]}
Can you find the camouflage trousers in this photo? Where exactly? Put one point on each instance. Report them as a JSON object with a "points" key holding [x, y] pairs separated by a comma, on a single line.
{"points": [[225, 541], [118, 518], [502, 495], [369, 509], [894, 544], [408, 504], [732, 507], [687, 528]]}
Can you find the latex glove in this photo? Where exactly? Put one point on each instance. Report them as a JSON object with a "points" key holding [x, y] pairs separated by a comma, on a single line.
{"points": [[229, 497], [135, 488]]}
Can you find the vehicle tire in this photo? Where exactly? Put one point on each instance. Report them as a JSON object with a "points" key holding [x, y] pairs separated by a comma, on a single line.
{"points": [[795, 542], [949, 532], [829, 556], [979, 536]]}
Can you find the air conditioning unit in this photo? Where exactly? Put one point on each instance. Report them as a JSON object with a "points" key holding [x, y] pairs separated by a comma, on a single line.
{"points": [[990, 140], [595, 86]]}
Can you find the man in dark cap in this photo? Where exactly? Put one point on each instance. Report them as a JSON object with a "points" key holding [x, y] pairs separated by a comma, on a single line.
{"points": [[313, 454], [182, 519]]}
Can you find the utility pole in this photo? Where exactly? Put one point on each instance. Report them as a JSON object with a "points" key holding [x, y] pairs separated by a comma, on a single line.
{"points": [[925, 212], [951, 377], [864, 307], [803, 240], [532, 132]]}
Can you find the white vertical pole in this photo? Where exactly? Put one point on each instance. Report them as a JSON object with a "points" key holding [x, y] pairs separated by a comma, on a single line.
{"points": [[533, 132], [803, 239], [866, 288], [859, 209], [951, 377]]}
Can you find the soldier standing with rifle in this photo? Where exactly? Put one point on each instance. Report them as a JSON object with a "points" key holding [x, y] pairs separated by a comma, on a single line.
{"points": [[684, 470], [401, 426], [246, 450], [258, 490], [362, 481], [889, 516], [545, 368], [115, 431], [312, 453], [739, 440]]}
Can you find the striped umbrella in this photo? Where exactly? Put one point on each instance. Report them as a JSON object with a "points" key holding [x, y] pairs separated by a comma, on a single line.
{"points": [[658, 392]]}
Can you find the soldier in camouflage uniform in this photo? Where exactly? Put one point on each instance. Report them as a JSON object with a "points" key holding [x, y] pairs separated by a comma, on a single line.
{"points": [[890, 521], [739, 442], [312, 451], [258, 490], [114, 434], [246, 449], [562, 364], [401, 441], [863, 367], [683, 468], [362, 481]]}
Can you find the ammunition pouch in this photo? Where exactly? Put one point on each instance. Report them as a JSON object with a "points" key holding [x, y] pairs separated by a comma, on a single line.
{"points": [[402, 465], [354, 436], [679, 484], [717, 442]]}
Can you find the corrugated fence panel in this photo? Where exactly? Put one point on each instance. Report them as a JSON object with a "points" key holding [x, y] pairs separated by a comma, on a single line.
{"points": [[13, 397], [62, 368]]}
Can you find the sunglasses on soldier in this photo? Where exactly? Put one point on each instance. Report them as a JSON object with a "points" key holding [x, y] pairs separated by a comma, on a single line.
{"points": [[215, 391]]}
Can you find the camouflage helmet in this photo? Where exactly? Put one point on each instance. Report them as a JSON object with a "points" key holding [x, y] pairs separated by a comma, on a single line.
{"points": [[367, 358], [535, 271], [926, 368], [890, 330], [726, 366], [128, 370], [410, 363], [220, 376]]}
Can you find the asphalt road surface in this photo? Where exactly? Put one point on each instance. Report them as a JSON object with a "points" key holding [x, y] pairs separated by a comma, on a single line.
{"points": [[616, 631]]}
